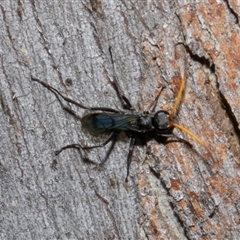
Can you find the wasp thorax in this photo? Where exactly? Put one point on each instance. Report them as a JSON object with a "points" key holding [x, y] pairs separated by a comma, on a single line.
{"points": [[145, 122], [161, 120]]}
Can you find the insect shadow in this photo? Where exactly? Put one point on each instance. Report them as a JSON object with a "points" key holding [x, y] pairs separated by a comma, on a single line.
{"points": [[158, 124]]}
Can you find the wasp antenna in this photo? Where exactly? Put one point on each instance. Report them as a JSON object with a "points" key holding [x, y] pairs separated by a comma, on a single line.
{"points": [[194, 136], [184, 129], [179, 97]]}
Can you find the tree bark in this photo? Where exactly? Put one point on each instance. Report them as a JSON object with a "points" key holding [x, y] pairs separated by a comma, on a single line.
{"points": [[174, 191]]}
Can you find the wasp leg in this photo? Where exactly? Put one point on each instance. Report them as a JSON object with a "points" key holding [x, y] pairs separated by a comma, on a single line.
{"points": [[130, 153], [79, 146], [175, 138], [151, 107], [108, 152], [123, 99], [111, 136], [57, 94]]}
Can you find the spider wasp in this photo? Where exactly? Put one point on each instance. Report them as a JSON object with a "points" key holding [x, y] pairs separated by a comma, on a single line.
{"points": [[104, 119]]}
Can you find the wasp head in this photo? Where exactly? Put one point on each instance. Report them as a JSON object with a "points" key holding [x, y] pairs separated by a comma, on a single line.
{"points": [[160, 121]]}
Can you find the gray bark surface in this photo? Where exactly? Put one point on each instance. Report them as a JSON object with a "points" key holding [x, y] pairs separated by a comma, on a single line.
{"points": [[174, 191]]}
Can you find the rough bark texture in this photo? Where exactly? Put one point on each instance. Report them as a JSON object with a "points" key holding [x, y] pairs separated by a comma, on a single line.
{"points": [[173, 192]]}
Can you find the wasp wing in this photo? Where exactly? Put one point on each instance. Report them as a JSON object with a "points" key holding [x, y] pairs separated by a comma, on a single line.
{"points": [[97, 123]]}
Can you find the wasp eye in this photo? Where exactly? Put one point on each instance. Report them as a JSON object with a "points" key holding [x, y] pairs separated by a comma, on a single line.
{"points": [[160, 120]]}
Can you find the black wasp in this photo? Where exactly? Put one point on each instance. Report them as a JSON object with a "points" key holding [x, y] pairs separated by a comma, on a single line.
{"points": [[105, 119]]}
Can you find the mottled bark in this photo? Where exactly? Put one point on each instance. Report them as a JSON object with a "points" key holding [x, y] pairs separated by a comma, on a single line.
{"points": [[174, 191]]}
